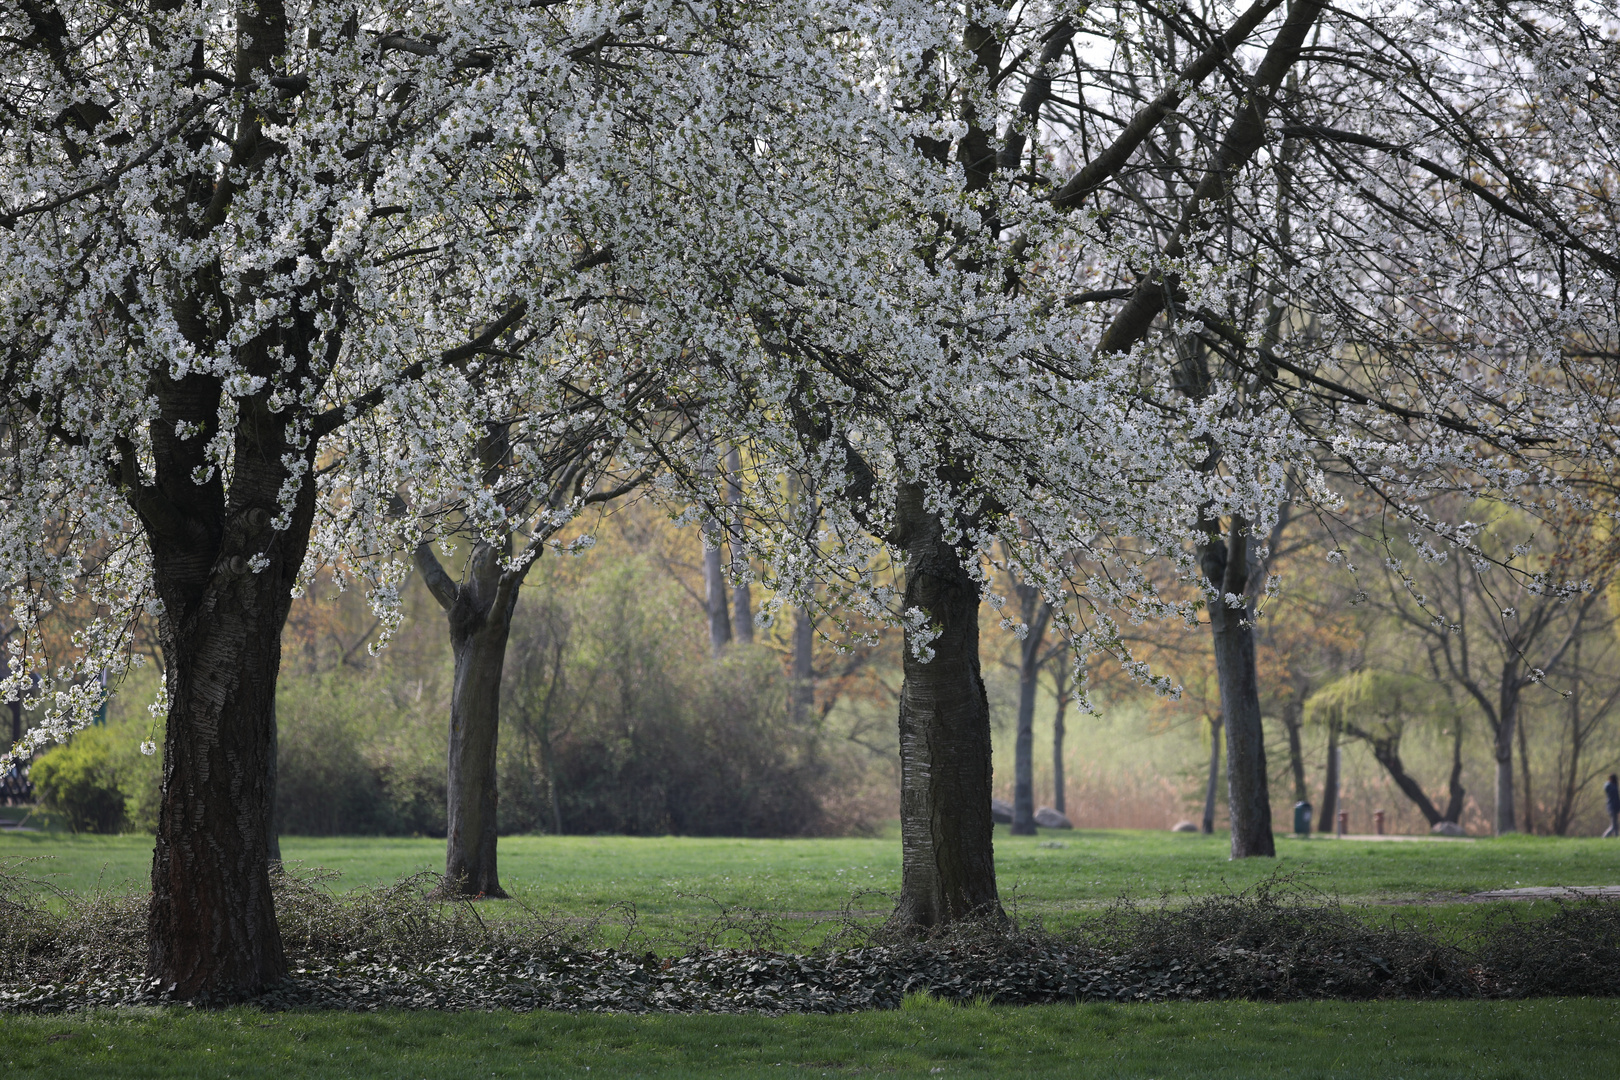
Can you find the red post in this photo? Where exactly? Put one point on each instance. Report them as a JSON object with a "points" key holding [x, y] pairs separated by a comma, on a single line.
{"points": [[1344, 822], [1378, 822]]}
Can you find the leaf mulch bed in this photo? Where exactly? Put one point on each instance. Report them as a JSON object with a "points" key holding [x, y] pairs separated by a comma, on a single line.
{"points": [[398, 949]]}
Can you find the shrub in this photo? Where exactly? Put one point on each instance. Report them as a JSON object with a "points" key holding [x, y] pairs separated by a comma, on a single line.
{"points": [[614, 709], [100, 781]]}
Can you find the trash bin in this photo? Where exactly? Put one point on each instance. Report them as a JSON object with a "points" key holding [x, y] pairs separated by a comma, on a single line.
{"points": [[1302, 818]]}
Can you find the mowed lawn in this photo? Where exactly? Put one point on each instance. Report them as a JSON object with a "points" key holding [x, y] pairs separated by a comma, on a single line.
{"points": [[1526, 1040], [1058, 876]]}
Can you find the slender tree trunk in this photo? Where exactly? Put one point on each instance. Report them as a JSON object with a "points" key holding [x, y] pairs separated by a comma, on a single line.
{"points": [[1524, 768], [804, 673], [1564, 812], [742, 601], [1330, 783], [480, 618], [1387, 751], [1293, 721], [1454, 786], [714, 587], [1211, 789], [1059, 801], [1507, 717], [947, 862], [1036, 615], [1247, 795]]}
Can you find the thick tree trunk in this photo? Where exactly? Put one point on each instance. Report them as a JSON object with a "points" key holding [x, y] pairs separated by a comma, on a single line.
{"points": [[1507, 720], [212, 931], [1211, 788], [1036, 615], [946, 833], [1247, 791], [1330, 783], [480, 622]]}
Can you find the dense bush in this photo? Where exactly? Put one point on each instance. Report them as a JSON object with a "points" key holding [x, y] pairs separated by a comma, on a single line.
{"points": [[100, 781], [617, 720], [356, 755], [398, 947]]}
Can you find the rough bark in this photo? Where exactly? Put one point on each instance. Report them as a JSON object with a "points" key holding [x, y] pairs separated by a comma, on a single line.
{"points": [[479, 610], [1226, 567], [212, 930], [1211, 789], [947, 863], [1037, 613]]}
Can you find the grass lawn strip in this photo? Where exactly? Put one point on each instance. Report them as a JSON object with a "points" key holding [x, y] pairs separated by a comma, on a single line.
{"points": [[1529, 1040]]}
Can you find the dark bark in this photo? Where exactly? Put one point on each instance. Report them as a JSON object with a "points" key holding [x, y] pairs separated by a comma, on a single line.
{"points": [[1524, 771], [714, 595], [947, 862], [1211, 788], [1330, 783], [479, 611], [1226, 568], [1507, 716], [212, 929], [1454, 786], [1386, 749], [742, 601], [1059, 799], [1293, 721], [1037, 613]]}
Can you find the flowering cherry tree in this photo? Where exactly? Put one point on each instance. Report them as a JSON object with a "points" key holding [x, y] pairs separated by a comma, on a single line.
{"points": [[265, 268]]}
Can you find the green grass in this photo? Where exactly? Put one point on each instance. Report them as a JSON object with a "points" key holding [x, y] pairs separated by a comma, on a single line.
{"points": [[1530, 1040], [1049, 874], [676, 884]]}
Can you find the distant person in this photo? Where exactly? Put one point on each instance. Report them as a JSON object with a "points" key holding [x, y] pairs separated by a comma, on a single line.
{"points": [[1611, 790]]}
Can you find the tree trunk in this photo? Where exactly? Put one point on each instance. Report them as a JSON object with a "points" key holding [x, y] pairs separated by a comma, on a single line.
{"points": [[946, 833], [742, 602], [1526, 797], [1059, 801], [1293, 721], [1454, 787], [1507, 717], [1387, 751], [714, 588], [1330, 783], [1211, 789], [804, 673], [1226, 566], [480, 618], [212, 932], [1029, 671]]}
